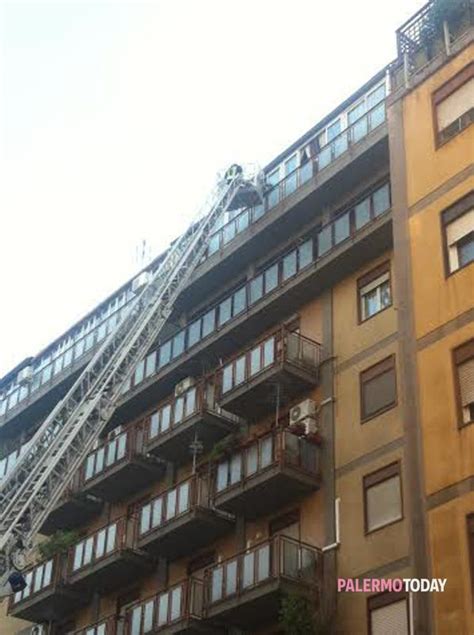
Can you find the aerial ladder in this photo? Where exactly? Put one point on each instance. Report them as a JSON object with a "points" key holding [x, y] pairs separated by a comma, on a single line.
{"points": [[60, 445]]}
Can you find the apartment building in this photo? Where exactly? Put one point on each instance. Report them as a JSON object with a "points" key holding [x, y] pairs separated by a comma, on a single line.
{"points": [[306, 414]]}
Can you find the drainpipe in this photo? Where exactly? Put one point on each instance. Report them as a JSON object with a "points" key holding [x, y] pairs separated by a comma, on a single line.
{"points": [[335, 545]]}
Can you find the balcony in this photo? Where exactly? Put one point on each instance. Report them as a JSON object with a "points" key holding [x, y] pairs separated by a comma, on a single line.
{"points": [[276, 369], [181, 520], [119, 467], [276, 469], [108, 626], [193, 415], [106, 559], [46, 596], [179, 609], [246, 590], [74, 509]]}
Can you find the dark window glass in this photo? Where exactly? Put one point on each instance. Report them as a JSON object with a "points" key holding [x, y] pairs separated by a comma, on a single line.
{"points": [[378, 388]]}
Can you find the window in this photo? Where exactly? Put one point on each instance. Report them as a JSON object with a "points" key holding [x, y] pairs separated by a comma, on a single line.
{"points": [[378, 388], [382, 497], [453, 105], [374, 290], [464, 382], [388, 613], [458, 225]]}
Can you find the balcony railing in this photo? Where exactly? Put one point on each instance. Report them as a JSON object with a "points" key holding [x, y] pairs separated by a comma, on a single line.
{"points": [[423, 37], [181, 602], [99, 545], [172, 427], [107, 626], [180, 520], [119, 466], [275, 470], [323, 157], [47, 596], [39, 578], [276, 349], [106, 559], [247, 382], [277, 558]]}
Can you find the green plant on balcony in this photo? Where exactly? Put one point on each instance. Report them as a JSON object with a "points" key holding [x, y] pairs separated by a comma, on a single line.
{"points": [[298, 617], [431, 30], [59, 542]]}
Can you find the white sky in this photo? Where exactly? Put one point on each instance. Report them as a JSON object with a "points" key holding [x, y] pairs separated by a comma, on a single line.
{"points": [[116, 116]]}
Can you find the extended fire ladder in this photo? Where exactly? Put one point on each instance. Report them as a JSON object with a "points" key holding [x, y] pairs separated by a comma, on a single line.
{"points": [[62, 442]]}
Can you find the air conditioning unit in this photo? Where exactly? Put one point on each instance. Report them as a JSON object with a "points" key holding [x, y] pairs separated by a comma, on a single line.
{"points": [[305, 413], [140, 281], [304, 409], [25, 375], [183, 386]]}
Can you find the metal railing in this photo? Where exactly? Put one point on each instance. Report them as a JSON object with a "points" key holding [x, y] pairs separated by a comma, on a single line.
{"points": [[119, 447], [279, 447], [276, 558], [172, 503], [45, 575], [274, 350], [179, 602], [99, 545], [322, 158], [106, 626]]}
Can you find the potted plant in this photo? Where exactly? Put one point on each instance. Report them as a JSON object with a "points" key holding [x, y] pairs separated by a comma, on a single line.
{"points": [[59, 542], [298, 617]]}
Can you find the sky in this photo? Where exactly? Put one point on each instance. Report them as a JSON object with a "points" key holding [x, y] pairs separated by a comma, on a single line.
{"points": [[115, 118]]}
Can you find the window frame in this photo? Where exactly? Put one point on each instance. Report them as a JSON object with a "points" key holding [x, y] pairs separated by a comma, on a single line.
{"points": [[443, 92], [383, 599], [460, 207], [387, 363], [375, 478], [462, 353], [367, 278]]}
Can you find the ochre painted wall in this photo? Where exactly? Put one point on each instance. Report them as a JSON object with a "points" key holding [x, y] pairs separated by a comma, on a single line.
{"points": [[438, 298], [427, 168], [453, 609]]}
